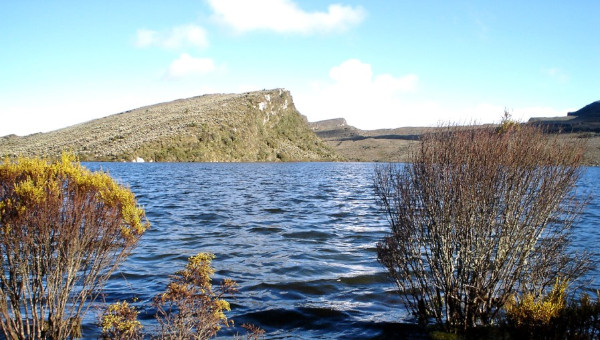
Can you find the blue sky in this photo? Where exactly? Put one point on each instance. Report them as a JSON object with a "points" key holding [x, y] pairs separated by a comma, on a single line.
{"points": [[379, 64]]}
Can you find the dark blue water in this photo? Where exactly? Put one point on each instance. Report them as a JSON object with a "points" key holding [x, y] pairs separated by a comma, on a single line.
{"points": [[299, 238]]}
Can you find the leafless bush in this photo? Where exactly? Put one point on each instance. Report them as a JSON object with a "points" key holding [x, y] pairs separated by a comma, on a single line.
{"points": [[63, 230], [480, 214], [253, 332]]}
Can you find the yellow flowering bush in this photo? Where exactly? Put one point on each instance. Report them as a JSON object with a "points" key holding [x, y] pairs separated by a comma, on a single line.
{"points": [[536, 313], [191, 308], [120, 322], [63, 231]]}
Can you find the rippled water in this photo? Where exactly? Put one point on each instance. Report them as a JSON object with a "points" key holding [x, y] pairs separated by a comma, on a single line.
{"points": [[299, 238]]}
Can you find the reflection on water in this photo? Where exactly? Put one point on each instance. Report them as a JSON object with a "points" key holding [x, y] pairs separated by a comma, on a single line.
{"points": [[299, 238]]}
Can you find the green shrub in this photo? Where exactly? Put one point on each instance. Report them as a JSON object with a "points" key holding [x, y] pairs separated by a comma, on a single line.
{"points": [[549, 316], [581, 318], [190, 308]]}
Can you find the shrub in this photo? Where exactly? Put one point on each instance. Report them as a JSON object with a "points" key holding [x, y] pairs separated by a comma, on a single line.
{"points": [[478, 215], [549, 316], [63, 230], [581, 319], [190, 308], [120, 322], [536, 314], [253, 332]]}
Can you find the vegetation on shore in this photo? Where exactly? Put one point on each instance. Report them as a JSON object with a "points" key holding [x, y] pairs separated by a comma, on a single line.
{"points": [[480, 222], [479, 243], [63, 231], [190, 307]]}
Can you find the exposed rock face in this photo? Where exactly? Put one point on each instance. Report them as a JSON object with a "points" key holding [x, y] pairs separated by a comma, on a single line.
{"points": [[329, 124], [252, 126]]}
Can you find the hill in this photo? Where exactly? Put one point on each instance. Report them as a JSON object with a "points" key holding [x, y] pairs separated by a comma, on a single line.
{"points": [[252, 126], [589, 112], [586, 119], [395, 145], [384, 145]]}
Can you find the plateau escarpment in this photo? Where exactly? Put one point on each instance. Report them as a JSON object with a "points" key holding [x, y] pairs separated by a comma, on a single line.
{"points": [[252, 126], [396, 145], [383, 145], [586, 119]]}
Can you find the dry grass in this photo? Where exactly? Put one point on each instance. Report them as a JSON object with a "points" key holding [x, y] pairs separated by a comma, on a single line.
{"points": [[395, 145]]}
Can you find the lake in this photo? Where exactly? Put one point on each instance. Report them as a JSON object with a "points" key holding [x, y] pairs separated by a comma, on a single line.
{"points": [[299, 238]]}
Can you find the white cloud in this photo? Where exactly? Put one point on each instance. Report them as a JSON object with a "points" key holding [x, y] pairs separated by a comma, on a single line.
{"points": [[365, 100], [374, 101], [355, 76], [145, 38], [284, 16], [187, 65], [177, 37]]}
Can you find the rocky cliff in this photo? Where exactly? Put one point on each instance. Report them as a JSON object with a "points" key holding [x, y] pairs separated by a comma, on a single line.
{"points": [[252, 126]]}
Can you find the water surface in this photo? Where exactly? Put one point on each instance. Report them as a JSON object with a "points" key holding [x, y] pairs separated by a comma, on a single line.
{"points": [[299, 238]]}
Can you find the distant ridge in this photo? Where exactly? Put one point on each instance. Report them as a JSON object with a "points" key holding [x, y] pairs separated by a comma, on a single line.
{"points": [[396, 145], [590, 111], [586, 119], [383, 145], [252, 126]]}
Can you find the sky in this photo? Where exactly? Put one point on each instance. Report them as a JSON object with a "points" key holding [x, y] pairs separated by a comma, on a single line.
{"points": [[378, 63]]}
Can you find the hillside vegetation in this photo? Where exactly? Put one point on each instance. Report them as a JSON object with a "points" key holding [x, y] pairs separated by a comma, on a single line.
{"points": [[252, 126]]}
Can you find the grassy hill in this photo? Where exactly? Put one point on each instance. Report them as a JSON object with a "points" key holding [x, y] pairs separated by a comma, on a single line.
{"points": [[252, 126]]}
